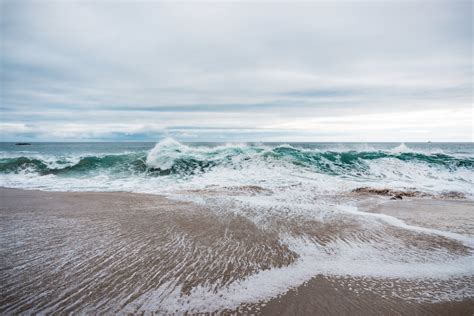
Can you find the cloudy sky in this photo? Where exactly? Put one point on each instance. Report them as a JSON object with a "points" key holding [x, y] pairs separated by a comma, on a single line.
{"points": [[244, 71]]}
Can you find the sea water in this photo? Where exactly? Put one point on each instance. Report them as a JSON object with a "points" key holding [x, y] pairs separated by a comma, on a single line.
{"points": [[170, 165]]}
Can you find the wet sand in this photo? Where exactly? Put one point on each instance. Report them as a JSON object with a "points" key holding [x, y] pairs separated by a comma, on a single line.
{"points": [[455, 216], [358, 296], [111, 252], [328, 295]]}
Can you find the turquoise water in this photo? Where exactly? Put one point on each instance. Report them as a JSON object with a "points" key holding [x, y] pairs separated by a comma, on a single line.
{"points": [[425, 166]]}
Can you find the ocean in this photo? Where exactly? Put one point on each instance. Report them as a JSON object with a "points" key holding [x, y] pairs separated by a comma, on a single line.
{"points": [[168, 166], [241, 223]]}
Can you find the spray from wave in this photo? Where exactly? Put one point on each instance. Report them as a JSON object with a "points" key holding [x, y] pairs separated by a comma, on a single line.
{"points": [[179, 165]]}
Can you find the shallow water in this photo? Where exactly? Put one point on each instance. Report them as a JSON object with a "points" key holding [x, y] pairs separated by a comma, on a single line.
{"points": [[118, 252]]}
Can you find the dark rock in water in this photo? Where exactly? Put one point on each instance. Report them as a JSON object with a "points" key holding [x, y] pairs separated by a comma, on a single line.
{"points": [[452, 195], [368, 190], [22, 144], [394, 194], [410, 193], [161, 172]]}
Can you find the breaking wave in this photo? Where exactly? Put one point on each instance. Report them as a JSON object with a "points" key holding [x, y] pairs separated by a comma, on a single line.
{"points": [[234, 165], [172, 157]]}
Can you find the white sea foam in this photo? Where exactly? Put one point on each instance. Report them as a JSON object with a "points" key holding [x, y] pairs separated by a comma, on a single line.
{"points": [[249, 167], [291, 190], [345, 260]]}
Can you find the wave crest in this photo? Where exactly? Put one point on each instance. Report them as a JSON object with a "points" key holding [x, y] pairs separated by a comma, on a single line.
{"points": [[165, 153], [273, 165]]}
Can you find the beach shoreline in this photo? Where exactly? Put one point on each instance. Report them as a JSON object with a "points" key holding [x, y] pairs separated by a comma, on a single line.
{"points": [[107, 251]]}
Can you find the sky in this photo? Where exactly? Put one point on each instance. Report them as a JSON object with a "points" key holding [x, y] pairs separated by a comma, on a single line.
{"points": [[242, 71]]}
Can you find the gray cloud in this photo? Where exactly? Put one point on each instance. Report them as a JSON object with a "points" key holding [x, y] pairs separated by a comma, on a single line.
{"points": [[133, 70]]}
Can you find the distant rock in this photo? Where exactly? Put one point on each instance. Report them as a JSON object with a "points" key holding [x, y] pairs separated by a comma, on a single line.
{"points": [[394, 194], [452, 195], [399, 195], [367, 190]]}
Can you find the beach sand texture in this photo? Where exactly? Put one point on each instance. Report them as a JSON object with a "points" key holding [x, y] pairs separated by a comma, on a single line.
{"points": [[124, 252]]}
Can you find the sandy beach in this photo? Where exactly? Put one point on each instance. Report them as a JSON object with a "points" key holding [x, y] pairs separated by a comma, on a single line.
{"points": [[135, 253]]}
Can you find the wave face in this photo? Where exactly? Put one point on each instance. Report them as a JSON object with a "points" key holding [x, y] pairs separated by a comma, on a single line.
{"points": [[170, 164]]}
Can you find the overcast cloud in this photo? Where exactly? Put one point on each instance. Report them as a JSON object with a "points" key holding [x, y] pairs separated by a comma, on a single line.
{"points": [[248, 71]]}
